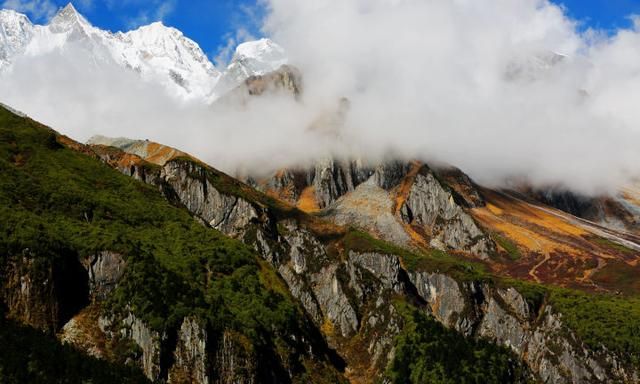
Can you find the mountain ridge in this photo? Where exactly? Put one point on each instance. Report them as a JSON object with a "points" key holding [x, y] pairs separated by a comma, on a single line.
{"points": [[190, 178], [157, 52]]}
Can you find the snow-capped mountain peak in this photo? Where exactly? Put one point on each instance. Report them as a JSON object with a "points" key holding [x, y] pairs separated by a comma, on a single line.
{"points": [[68, 18], [10, 17], [15, 32], [252, 58], [158, 40], [157, 52], [263, 50]]}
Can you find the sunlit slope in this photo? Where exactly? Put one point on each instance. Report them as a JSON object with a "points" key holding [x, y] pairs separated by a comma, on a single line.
{"points": [[551, 246]]}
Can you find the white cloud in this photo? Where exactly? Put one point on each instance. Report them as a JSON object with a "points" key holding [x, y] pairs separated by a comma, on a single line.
{"points": [[475, 84], [427, 79], [39, 10]]}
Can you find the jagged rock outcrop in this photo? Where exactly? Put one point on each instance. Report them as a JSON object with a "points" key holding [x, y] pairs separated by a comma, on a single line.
{"points": [[286, 80], [202, 359], [197, 354], [229, 214], [149, 342], [465, 189], [28, 292], [386, 198], [444, 298], [350, 296], [104, 270], [234, 362], [432, 209], [550, 349], [390, 173], [329, 179], [332, 179], [191, 356]]}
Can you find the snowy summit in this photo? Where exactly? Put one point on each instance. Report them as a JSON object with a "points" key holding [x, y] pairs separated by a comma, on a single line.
{"points": [[157, 52]]}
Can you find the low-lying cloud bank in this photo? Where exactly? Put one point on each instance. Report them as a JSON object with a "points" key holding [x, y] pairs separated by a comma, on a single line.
{"points": [[500, 88]]}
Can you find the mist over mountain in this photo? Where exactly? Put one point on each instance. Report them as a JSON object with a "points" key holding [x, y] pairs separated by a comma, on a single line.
{"points": [[506, 91], [378, 191]]}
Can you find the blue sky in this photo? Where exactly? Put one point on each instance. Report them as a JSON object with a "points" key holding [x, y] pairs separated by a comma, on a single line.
{"points": [[209, 22], [607, 15], [212, 23]]}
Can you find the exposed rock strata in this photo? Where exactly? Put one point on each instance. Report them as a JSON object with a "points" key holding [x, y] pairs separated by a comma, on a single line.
{"points": [[348, 297], [432, 209]]}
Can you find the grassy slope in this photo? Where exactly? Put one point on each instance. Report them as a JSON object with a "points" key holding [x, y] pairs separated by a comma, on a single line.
{"points": [[55, 200]]}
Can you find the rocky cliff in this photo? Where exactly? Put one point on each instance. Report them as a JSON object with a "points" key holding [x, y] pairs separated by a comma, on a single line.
{"points": [[405, 203], [346, 281], [110, 266]]}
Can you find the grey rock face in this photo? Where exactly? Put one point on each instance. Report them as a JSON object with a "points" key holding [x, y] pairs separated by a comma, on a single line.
{"points": [[334, 302], [389, 174], [334, 293], [515, 302], [301, 291], [332, 179], [148, 340], [353, 295], [190, 355], [466, 190], [371, 208], [198, 356], [385, 267], [550, 349], [228, 214], [304, 249], [233, 363], [445, 299], [105, 270], [291, 181], [286, 80], [433, 208], [375, 278], [497, 324]]}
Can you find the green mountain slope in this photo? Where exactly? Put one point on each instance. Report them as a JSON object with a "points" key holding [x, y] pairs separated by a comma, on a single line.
{"points": [[59, 206]]}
